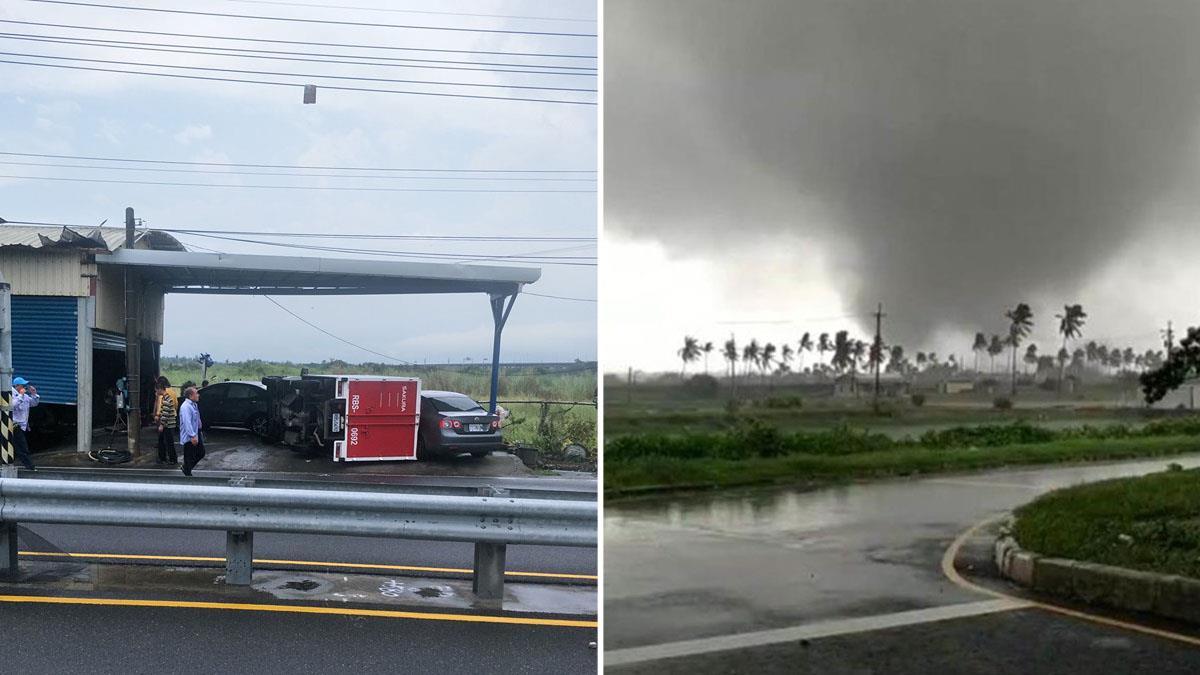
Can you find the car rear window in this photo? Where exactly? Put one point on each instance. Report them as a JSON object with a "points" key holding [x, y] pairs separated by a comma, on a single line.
{"points": [[455, 404]]}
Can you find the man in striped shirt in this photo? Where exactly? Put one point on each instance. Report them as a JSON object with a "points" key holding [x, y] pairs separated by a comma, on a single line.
{"points": [[165, 416]]}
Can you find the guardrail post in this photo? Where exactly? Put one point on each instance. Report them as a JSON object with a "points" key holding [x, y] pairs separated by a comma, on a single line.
{"points": [[8, 549], [488, 580], [239, 547]]}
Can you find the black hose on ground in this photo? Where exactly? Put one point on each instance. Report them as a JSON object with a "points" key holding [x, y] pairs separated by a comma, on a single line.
{"points": [[110, 456]]}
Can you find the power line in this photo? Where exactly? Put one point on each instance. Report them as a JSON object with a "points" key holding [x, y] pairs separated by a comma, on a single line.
{"points": [[339, 235], [416, 11], [364, 24], [331, 235], [332, 335], [293, 84], [301, 42], [558, 297], [548, 260], [340, 59], [342, 188], [158, 169], [310, 76], [288, 166]]}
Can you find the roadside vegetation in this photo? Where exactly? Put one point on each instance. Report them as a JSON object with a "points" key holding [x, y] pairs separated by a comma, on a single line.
{"points": [[1149, 523], [756, 453], [545, 427]]}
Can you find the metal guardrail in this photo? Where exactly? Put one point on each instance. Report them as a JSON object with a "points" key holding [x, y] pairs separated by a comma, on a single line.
{"points": [[490, 521]]}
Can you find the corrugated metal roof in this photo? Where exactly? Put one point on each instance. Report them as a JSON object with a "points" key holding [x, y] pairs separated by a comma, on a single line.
{"points": [[101, 238]]}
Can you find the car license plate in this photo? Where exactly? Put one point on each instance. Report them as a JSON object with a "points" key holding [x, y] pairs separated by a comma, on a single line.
{"points": [[476, 428]]}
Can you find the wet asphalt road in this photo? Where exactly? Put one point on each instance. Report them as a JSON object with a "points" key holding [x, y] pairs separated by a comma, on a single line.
{"points": [[366, 550], [685, 568], [1019, 642], [130, 640]]}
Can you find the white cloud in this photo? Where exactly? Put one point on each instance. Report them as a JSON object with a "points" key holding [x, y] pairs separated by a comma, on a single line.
{"points": [[194, 132]]}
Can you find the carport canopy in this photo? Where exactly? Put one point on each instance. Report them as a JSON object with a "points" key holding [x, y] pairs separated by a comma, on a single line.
{"points": [[246, 274]]}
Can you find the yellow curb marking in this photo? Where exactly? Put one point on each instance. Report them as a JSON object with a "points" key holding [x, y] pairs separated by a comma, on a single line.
{"points": [[953, 575], [311, 563], [300, 609]]}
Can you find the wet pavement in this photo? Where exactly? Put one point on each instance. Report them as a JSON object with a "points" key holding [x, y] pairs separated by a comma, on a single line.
{"points": [[737, 562], [200, 584], [1017, 642], [241, 451]]}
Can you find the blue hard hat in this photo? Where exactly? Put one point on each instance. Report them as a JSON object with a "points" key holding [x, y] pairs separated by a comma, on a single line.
{"points": [[20, 381]]}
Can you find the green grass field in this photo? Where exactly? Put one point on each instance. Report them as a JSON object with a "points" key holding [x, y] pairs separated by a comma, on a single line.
{"points": [[663, 437], [1149, 523], [576, 382]]}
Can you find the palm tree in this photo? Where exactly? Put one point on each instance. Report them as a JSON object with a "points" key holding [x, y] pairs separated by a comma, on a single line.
{"points": [[766, 358], [858, 350], [690, 352], [842, 349], [896, 359], [785, 355], [1020, 323], [731, 355], [1031, 356], [1070, 325], [1063, 355], [981, 345], [1127, 356], [806, 345], [707, 349], [921, 359], [1090, 351], [823, 345], [750, 355], [995, 348], [1102, 357]]}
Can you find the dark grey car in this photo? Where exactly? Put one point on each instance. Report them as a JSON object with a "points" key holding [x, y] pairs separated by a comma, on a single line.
{"points": [[453, 423], [235, 404]]}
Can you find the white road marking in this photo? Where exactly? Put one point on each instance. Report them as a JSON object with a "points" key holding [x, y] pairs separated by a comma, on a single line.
{"points": [[820, 629], [980, 483]]}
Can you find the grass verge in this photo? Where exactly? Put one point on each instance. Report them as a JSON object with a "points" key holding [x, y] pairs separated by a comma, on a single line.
{"points": [[655, 473], [1149, 523]]}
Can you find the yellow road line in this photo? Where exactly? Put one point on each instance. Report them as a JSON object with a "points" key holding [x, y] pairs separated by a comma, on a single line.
{"points": [[310, 563], [953, 575], [301, 609]]}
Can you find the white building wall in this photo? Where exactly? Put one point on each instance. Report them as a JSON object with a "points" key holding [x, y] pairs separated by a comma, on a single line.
{"points": [[41, 272]]}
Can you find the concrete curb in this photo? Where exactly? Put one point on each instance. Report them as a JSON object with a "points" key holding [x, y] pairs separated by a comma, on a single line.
{"points": [[1165, 595]]}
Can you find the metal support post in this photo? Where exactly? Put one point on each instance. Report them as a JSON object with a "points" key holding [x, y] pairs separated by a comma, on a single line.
{"points": [[500, 312], [239, 558], [7, 452], [239, 547], [488, 579], [8, 549]]}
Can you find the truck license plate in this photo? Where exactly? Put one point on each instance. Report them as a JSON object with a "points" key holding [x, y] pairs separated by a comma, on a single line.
{"points": [[476, 428]]}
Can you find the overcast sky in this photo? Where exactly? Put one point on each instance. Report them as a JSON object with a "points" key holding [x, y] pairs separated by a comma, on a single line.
{"points": [[801, 161], [46, 110]]}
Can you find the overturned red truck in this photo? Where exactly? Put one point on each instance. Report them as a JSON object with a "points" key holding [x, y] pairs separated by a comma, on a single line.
{"points": [[365, 417]]}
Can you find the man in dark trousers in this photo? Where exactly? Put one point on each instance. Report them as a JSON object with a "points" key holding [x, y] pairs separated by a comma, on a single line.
{"points": [[165, 415], [24, 397], [189, 430]]}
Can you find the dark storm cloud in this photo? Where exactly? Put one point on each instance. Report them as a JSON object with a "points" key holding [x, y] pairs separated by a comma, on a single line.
{"points": [[968, 153]]}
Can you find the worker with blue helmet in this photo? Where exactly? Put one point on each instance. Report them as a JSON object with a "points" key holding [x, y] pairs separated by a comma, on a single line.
{"points": [[24, 397]]}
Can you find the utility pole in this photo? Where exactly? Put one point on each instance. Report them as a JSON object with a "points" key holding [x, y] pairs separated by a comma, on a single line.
{"points": [[6, 448], [1169, 336], [877, 351], [133, 345]]}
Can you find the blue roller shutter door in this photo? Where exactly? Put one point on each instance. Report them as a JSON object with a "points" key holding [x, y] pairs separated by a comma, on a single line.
{"points": [[43, 345]]}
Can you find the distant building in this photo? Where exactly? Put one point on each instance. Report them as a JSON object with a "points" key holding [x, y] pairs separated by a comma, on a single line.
{"points": [[863, 384], [957, 385]]}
